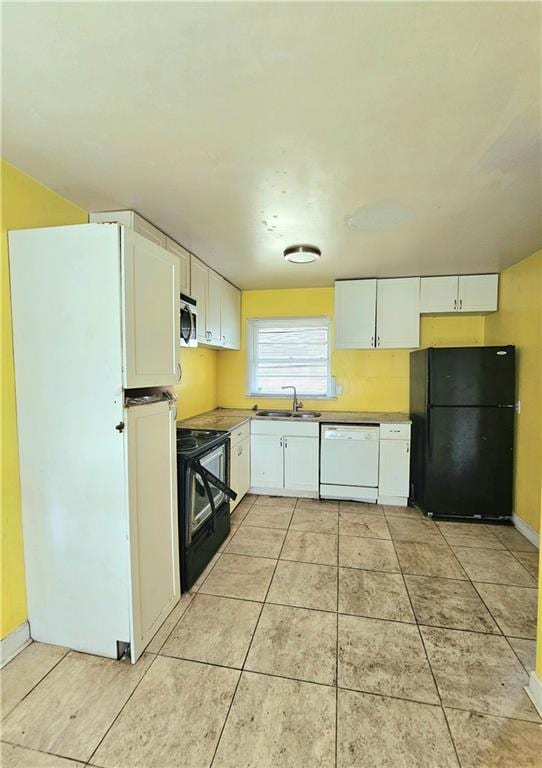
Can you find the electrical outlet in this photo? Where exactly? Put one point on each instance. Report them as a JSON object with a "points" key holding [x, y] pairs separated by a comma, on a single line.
{"points": [[518, 406]]}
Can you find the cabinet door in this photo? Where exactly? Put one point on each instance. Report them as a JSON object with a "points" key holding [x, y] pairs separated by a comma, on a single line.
{"points": [[231, 316], [148, 230], [153, 533], [301, 463], [355, 312], [394, 470], [478, 293], [240, 470], [398, 313], [199, 280], [214, 308], [266, 461], [150, 282], [438, 294], [184, 264]]}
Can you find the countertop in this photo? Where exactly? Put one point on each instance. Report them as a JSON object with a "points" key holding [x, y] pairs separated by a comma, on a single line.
{"points": [[225, 419]]}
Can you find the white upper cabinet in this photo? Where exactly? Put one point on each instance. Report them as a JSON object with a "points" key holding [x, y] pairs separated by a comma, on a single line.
{"points": [[199, 287], [184, 264], [438, 294], [478, 293], [398, 313], [214, 308], [151, 312], [463, 293], [355, 312], [133, 221], [231, 316]]}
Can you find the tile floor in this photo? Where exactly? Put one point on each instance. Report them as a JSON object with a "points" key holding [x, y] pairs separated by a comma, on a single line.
{"points": [[322, 635]]}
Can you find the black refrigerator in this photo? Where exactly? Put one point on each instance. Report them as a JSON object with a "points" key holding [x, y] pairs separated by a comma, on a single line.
{"points": [[462, 410]]}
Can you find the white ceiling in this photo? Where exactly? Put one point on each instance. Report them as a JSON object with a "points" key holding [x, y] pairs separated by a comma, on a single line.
{"points": [[241, 128]]}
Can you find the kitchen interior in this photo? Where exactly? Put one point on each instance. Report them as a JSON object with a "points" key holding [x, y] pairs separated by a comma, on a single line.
{"points": [[272, 376]]}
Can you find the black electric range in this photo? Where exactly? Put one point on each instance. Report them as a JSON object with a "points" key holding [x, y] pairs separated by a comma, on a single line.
{"points": [[203, 476]]}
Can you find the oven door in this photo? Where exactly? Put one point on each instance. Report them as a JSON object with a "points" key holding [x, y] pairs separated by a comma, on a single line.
{"points": [[199, 504], [188, 326]]}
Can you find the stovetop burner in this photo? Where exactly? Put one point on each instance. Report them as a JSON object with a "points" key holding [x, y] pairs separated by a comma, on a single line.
{"points": [[194, 440], [186, 442]]}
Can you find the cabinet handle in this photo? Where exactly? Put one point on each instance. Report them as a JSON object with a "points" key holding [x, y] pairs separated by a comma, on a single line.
{"points": [[281, 442], [285, 442], [372, 341], [240, 450], [460, 303], [455, 303], [179, 377], [378, 341]]}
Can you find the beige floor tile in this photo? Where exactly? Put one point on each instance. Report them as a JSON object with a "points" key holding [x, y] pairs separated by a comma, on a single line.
{"points": [[428, 560], [529, 561], [493, 566], [286, 502], [421, 531], [478, 539], [513, 608], [374, 594], [306, 585], [376, 731], [392, 510], [25, 671], [169, 624], [216, 630], [513, 539], [295, 642], [12, 756], [306, 547], [269, 517], [361, 524], [318, 504], [449, 603], [240, 512], [371, 554], [260, 542], [315, 520], [525, 650], [384, 657], [495, 742], [278, 723], [208, 568], [478, 672], [174, 717], [72, 708], [240, 576], [361, 507]]}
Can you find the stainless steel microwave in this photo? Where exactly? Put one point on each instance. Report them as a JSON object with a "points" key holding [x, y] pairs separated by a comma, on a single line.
{"points": [[189, 321]]}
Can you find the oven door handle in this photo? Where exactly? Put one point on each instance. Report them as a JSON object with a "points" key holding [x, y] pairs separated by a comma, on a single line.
{"points": [[209, 478]]}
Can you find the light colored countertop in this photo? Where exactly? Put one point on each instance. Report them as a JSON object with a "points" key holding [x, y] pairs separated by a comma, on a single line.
{"points": [[225, 419]]}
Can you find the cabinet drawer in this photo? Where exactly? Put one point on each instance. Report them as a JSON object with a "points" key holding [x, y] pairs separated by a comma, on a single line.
{"points": [[395, 431], [240, 432], [285, 427]]}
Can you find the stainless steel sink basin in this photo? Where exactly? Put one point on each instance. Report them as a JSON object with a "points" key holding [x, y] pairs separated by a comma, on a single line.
{"points": [[276, 414], [289, 414], [306, 415]]}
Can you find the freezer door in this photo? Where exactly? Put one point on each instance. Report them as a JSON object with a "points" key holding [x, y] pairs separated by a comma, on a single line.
{"points": [[472, 376], [469, 471]]}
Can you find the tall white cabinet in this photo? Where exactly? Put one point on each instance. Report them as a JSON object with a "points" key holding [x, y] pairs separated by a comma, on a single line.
{"points": [[95, 311]]}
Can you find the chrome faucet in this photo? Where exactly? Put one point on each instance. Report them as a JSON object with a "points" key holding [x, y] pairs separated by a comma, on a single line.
{"points": [[296, 405]]}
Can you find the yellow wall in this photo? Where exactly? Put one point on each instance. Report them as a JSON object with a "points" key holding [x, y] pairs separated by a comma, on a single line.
{"points": [[25, 204], [371, 379], [197, 390], [519, 322]]}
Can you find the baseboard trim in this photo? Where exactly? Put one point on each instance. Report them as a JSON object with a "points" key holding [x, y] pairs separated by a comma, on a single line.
{"points": [[13, 643], [527, 530], [534, 691], [284, 492]]}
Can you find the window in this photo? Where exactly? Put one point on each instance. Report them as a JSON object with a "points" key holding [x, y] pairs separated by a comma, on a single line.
{"points": [[289, 351]]}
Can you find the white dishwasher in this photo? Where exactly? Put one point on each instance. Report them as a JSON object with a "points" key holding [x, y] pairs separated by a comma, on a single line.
{"points": [[349, 462]]}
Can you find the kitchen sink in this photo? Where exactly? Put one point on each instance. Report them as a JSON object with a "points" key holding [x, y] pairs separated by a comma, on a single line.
{"points": [[289, 414]]}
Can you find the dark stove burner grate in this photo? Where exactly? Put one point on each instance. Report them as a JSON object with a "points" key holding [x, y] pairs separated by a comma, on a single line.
{"points": [[186, 443]]}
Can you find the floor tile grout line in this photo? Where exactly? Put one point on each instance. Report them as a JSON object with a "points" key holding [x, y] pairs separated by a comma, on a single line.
{"points": [[121, 710], [248, 650], [55, 665], [42, 751]]}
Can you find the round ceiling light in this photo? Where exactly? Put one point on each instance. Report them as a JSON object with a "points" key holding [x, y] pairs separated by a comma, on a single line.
{"points": [[302, 254]]}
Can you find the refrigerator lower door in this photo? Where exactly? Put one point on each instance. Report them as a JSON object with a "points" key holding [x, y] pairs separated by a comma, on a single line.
{"points": [[469, 471]]}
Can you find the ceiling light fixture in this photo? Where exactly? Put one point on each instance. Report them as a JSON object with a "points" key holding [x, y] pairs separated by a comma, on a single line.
{"points": [[302, 254]]}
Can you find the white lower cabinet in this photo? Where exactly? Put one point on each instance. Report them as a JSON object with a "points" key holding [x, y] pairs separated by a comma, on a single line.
{"points": [[394, 464], [239, 462], [284, 457]]}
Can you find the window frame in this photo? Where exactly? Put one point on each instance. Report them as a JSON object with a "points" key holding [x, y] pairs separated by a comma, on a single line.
{"points": [[292, 322]]}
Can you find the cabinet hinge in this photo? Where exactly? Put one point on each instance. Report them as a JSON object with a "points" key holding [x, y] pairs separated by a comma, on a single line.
{"points": [[120, 426]]}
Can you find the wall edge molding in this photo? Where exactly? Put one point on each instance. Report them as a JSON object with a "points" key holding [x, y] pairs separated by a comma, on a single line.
{"points": [[534, 691], [14, 643], [527, 530]]}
